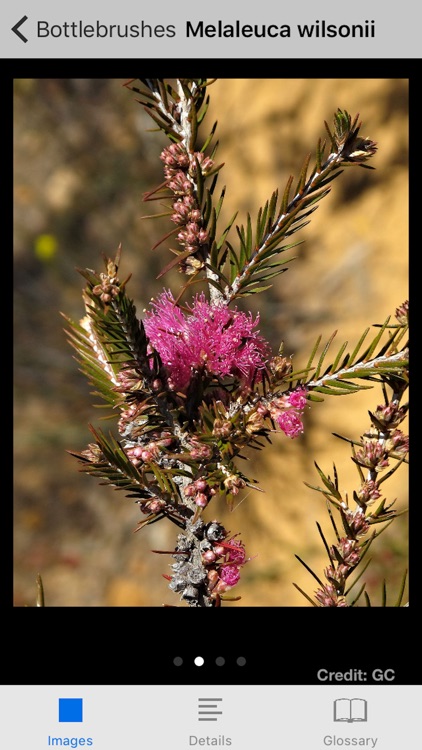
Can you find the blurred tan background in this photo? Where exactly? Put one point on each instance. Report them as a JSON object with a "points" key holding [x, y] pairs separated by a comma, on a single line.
{"points": [[83, 159]]}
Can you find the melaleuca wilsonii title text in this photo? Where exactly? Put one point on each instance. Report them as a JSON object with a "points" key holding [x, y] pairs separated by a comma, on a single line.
{"points": [[319, 29]]}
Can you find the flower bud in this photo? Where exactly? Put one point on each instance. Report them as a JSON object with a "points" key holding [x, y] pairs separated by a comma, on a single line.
{"points": [[201, 500], [209, 557]]}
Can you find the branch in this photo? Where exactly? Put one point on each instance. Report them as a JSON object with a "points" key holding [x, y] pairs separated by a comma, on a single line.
{"points": [[274, 226]]}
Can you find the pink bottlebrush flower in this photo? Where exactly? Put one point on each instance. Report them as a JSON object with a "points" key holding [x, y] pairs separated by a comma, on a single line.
{"points": [[233, 551], [208, 338], [229, 574], [297, 398], [236, 552], [291, 423], [287, 411]]}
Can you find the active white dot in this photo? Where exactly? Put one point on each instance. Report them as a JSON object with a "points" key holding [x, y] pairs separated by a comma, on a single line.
{"points": [[198, 661]]}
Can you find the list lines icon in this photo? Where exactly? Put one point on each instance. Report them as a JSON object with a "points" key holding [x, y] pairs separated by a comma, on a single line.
{"points": [[208, 709]]}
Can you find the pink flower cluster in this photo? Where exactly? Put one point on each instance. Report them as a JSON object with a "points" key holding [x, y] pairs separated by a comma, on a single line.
{"points": [[227, 571], [207, 339], [230, 572], [287, 412]]}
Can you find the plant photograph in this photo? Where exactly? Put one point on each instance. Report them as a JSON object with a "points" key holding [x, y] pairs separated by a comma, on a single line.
{"points": [[211, 342]]}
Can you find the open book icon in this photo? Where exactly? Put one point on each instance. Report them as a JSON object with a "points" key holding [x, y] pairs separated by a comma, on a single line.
{"points": [[350, 709]]}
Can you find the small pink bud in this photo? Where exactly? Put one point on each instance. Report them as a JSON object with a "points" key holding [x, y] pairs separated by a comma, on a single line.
{"points": [[183, 161], [201, 500], [202, 236], [156, 505], [209, 556], [190, 490], [190, 237], [189, 200]]}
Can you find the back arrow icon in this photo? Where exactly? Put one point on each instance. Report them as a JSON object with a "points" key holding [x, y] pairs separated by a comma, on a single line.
{"points": [[15, 28]]}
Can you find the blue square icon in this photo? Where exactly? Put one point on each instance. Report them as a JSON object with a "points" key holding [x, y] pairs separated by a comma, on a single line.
{"points": [[70, 709]]}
